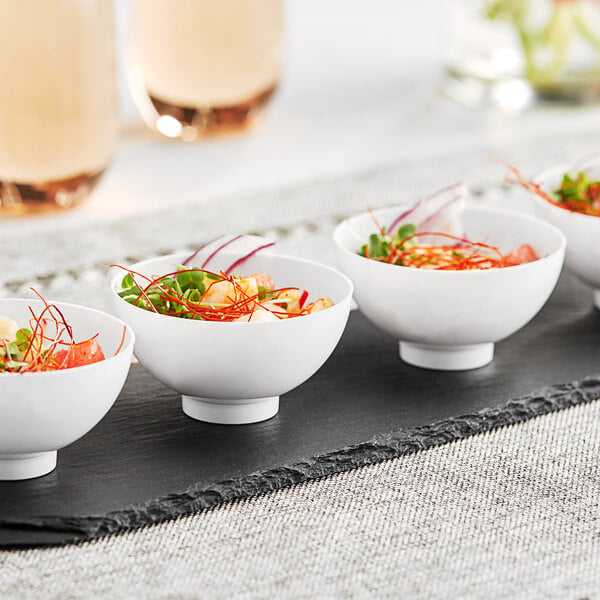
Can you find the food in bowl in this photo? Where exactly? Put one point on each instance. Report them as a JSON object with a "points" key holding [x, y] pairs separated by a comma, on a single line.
{"points": [[198, 294], [407, 244], [568, 196], [45, 409], [46, 344], [404, 249], [233, 372], [577, 191], [450, 319]]}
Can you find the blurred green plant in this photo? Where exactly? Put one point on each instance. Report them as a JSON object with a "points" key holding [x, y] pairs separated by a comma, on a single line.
{"points": [[546, 48]]}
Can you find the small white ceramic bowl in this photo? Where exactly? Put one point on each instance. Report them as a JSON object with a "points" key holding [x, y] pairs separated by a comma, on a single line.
{"points": [[43, 412], [582, 231], [450, 320], [234, 373]]}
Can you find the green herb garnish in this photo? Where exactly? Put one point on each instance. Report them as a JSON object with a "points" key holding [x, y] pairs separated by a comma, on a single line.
{"points": [[546, 48], [579, 194]]}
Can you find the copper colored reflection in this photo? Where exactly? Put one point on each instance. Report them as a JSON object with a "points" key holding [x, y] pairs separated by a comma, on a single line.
{"points": [[58, 102], [204, 67]]}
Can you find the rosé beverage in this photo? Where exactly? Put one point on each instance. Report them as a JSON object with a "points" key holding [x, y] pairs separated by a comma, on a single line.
{"points": [[204, 66], [58, 101]]}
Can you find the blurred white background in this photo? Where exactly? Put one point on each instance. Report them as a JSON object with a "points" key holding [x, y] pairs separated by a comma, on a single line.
{"points": [[356, 77]]}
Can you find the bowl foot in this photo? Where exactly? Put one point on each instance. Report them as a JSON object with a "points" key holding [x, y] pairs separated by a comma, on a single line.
{"points": [[597, 298], [26, 466], [447, 358], [230, 412]]}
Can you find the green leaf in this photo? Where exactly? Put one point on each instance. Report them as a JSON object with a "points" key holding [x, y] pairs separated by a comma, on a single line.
{"points": [[379, 245], [177, 288], [131, 291], [131, 298], [407, 230], [13, 350], [163, 308], [23, 339], [575, 189], [168, 282], [127, 281], [16, 365], [184, 279], [192, 295], [197, 280], [264, 293]]}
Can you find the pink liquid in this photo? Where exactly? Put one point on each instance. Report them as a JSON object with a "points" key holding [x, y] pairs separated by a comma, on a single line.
{"points": [[206, 65], [58, 102]]}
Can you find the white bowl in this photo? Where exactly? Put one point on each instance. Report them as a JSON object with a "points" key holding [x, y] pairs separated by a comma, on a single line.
{"points": [[234, 373], [43, 412], [582, 231], [450, 320]]}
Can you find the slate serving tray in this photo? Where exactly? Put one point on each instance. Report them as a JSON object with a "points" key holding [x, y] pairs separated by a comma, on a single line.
{"points": [[147, 461]]}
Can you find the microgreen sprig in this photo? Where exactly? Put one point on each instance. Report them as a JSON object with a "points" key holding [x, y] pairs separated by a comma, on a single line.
{"points": [[404, 250], [546, 48], [579, 193], [380, 244]]}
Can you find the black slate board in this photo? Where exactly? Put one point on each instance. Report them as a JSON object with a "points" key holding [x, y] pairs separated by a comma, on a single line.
{"points": [[147, 461]]}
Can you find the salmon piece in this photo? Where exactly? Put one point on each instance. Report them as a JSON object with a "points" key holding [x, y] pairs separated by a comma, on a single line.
{"points": [[264, 281], [523, 254], [78, 355]]}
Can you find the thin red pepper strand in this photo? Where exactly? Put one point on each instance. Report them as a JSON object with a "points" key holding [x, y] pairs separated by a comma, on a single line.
{"points": [[229, 313], [192, 308], [396, 253], [44, 359]]}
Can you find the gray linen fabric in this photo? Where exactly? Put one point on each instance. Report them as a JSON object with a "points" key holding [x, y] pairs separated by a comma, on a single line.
{"points": [[514, 513]]}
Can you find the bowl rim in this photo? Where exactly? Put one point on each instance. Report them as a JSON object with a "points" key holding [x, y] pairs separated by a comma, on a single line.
{"points": [[127, 345], [461, 273], [346, 300]]}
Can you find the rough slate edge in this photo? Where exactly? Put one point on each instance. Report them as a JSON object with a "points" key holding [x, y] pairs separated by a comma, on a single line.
{"points": [[383, 447]]}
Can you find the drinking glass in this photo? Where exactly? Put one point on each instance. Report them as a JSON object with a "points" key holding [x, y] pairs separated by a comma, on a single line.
{"points": [[203, 67], [58, 101]]}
